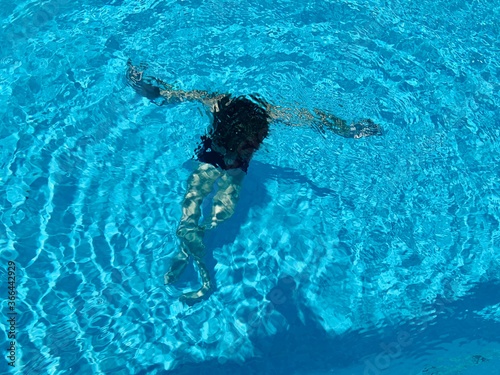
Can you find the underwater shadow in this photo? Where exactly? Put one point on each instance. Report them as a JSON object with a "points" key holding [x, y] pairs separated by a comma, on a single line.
{"points": [[305, 346], [253, 194]]}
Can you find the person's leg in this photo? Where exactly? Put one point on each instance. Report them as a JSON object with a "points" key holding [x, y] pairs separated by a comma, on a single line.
{"points": [[190, 234], [179, 263], [229, 186], [224, 203], [192, 297], [200, 184]]}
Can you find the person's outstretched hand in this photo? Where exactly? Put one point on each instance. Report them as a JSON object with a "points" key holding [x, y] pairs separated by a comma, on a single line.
{"points": [[364, 128]]}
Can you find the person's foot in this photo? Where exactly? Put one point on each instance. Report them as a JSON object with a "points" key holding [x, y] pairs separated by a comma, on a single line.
{"points": [[191, 298]]}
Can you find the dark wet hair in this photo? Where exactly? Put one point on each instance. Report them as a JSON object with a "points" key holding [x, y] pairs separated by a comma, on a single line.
{"points": [[240, 120]]}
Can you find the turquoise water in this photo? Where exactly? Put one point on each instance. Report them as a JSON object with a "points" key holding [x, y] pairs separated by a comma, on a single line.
{"points": [[371, 256]]}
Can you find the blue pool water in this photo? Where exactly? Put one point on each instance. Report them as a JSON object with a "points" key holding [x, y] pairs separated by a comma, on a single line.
{"points": [[372, 256]]}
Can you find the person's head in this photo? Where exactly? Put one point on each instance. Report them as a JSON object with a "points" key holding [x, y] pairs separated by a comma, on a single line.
{"points": [[240, 125]]}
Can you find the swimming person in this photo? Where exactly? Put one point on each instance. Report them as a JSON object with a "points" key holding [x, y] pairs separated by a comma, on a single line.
{"points": [[239, 126]]}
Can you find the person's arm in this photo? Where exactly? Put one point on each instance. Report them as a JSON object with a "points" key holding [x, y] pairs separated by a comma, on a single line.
{"points": [[162, 93], [323, 122]]}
